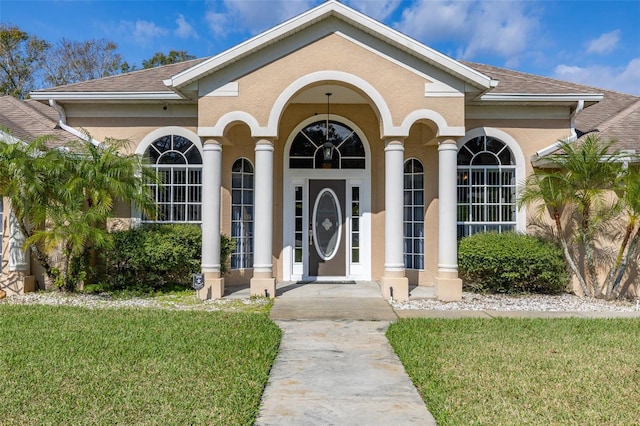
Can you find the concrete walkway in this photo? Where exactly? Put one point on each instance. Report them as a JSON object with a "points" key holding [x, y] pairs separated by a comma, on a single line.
{"points": [[339, 373], [335, 365]]}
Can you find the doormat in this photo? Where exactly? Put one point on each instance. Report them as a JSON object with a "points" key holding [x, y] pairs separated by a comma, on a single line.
{"points": [[326, 282]]}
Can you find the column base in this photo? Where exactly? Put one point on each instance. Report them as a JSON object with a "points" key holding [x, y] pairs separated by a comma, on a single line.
{"points": [[448, 289], [400, 286], [213, 286], [265, 287]]}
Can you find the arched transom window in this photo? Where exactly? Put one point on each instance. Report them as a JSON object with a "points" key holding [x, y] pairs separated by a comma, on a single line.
{"points": [[178, 164], [242, 213], [313, 149], [413, 214], [486, 187]]}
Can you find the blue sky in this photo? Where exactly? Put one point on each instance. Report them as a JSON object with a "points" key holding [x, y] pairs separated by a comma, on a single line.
{"points": [[590, 42]]}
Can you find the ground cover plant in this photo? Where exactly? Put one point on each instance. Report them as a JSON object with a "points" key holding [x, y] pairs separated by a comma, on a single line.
{"points": [[523, 371], [65, 365]]}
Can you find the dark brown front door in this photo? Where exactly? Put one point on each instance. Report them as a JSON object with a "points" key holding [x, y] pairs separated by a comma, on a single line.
{"points": [[326, 228]]}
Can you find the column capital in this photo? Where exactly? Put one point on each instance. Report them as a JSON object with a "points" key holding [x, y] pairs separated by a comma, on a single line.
{"points": [[447, 141], [212, 145], [394, 144], [264, 143]]}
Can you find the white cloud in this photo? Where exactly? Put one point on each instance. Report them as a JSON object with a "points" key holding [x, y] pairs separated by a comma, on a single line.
{"points": [[624, 79], [251, 16], [379, 9], [218, 23], [605, 43], [185, 30], [505, 28], [144, 32]]}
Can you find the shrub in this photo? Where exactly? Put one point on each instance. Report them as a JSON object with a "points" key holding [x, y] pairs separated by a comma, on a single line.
{"points": [[154, 257], [511, 263]]}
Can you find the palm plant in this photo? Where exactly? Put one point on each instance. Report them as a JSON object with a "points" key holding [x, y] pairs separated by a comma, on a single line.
{"points": [[579, 180], [63, 197], [27, 175], [630, 201]]}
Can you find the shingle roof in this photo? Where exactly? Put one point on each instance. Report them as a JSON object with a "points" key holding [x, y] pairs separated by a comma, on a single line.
{"points": [[147, 80], [617, 116], [29, 119], [621, 125], [510, 82]]}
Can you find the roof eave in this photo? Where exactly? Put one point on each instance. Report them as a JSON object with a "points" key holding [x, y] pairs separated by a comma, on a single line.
{"points": [[542, 97], [106, 96]]}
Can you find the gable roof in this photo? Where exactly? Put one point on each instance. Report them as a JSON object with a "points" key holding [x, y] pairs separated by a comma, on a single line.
{"points": [[324, 11], [27, 120]]}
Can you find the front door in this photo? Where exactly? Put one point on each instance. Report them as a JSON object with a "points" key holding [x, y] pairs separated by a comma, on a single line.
{"points": [[327, 218]]}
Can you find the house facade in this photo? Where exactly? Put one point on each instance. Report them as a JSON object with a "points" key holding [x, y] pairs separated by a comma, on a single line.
{"points": [[331, 148]]}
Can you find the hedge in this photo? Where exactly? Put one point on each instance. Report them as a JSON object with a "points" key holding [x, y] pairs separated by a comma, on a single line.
{"points": [[511, 263]]}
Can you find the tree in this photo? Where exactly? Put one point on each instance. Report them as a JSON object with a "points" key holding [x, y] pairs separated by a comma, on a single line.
{"points": [[75, 61], [160, 58], [63, 198], [577, 188], [19, 55]]}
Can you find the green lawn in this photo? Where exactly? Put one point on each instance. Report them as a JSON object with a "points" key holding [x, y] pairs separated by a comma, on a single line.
{"points": [[524, 372], [65, 365]]}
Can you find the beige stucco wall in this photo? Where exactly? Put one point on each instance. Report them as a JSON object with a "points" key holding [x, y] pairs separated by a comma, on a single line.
{"points": [[259, 89]]}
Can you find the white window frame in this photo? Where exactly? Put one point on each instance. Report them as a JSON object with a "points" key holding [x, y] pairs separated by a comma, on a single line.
{"points": [[145, 143], [518, 176], [243, 253], [416, 255]]}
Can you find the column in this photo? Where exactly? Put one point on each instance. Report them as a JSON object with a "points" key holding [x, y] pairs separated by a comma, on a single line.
{"points": [[263, 283], [448, 285], [211, 181], [394, 282]]}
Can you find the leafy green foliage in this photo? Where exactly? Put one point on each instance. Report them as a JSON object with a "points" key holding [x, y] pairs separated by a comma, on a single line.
{"points": [[63, 198], [153, 257], [511, 263], [173, 57], [19, 55], [576, 188], [70, 366]]}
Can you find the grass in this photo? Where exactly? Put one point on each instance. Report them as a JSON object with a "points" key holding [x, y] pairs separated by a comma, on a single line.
{"points": [[66, 365], [519, 371]]}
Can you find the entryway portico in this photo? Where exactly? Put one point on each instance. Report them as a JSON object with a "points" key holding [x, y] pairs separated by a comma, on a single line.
{"points": [[334, 198], [350, 216]]}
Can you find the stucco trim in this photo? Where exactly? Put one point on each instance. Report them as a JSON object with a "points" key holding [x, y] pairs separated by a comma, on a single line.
{"points": [[444, 130], [514, 146], [169, 130]]}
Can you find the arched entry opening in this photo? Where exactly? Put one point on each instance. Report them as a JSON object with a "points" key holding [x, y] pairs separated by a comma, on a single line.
{"points": [[327, 201]]}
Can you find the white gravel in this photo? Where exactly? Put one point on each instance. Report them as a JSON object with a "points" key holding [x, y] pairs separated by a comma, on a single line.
{"points": [[106, 301], [469, 302], [537, 303]]}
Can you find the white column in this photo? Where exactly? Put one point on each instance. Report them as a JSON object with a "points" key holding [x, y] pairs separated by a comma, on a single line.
{"points": [[211, 181], [263, 282], [448, 286], [394, 282]]}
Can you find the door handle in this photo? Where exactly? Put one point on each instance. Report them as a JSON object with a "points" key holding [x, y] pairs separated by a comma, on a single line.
{"points": [[310, 237]]}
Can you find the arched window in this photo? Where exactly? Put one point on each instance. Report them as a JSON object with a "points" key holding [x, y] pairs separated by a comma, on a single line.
{"points": [[312, 149], [178, 163], [413, 214], [486, 187], [242, 213]]}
